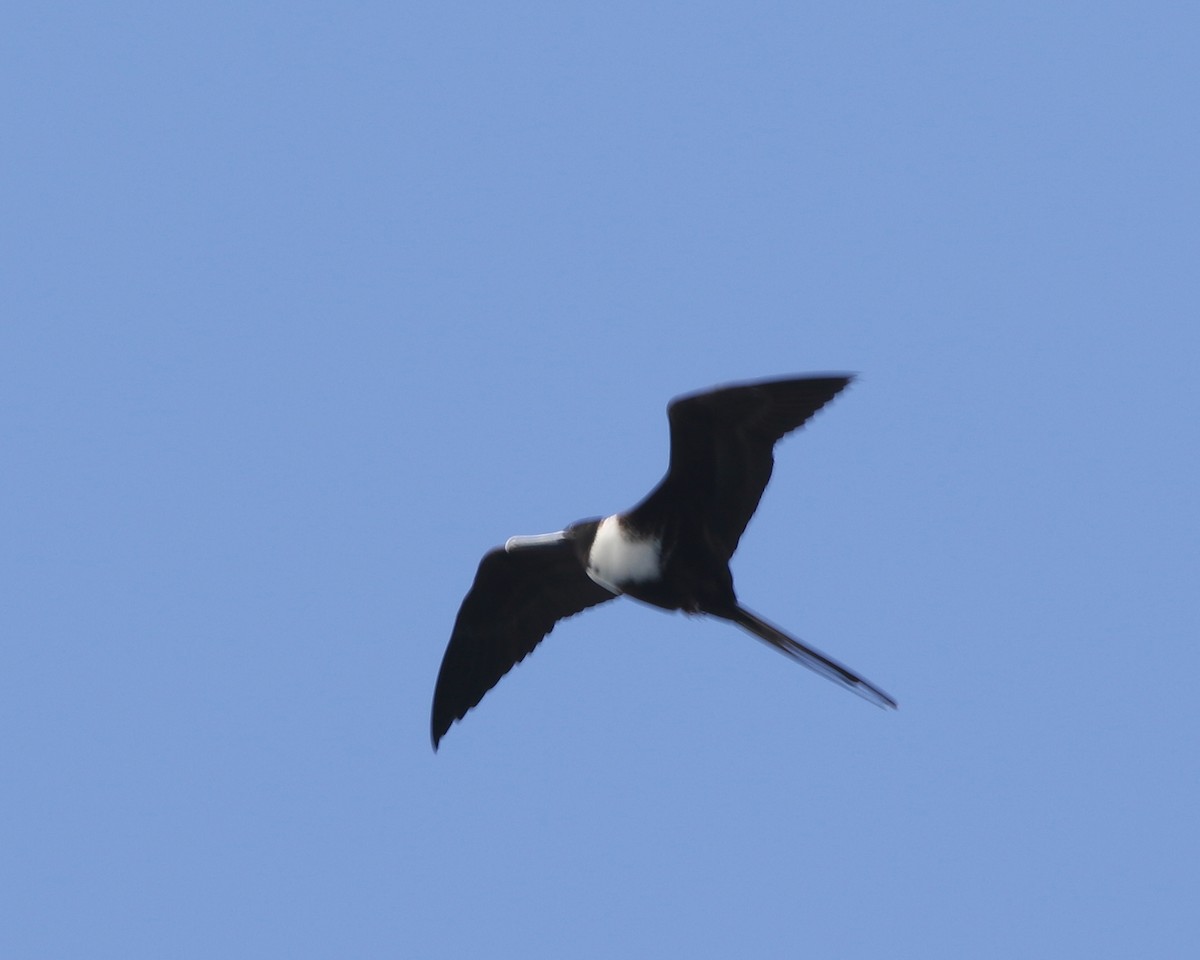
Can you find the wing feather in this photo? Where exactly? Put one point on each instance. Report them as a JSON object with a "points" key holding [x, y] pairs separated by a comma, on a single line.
{"points": [[516, 600], [722, 442]]}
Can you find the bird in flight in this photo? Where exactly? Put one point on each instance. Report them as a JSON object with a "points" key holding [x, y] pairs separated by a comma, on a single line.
{"points": [[672, 550]]}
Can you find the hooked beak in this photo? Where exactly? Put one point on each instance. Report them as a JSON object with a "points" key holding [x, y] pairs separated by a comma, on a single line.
{"points": [[535, 540]]}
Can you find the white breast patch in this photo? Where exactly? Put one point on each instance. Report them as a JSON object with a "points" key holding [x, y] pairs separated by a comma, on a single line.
{"points": [[616, 558]]}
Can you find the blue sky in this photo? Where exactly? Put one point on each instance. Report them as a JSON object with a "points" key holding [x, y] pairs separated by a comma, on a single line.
{"points": [[306, 306]]}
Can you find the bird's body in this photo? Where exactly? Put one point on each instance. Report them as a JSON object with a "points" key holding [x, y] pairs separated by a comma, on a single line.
{"points": [[672, 550]]}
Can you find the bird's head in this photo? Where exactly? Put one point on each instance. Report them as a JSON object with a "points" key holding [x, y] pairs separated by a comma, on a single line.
{"points": [[581, 533]]}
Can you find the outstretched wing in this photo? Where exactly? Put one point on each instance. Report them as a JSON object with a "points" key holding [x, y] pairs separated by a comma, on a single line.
{"points": [[515, 600], [722, 444]]}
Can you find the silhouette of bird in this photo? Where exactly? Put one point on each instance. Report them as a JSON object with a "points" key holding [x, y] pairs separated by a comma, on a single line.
{"points": [[672, 550]]}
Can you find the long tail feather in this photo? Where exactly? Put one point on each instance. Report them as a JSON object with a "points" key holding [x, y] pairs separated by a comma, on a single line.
{"points": [[811, 658]]}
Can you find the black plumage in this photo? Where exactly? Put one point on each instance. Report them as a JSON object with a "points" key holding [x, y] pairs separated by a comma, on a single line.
{"points": [[671, 550]]}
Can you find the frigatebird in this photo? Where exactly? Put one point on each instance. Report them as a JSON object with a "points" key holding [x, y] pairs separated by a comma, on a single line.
{"points": [[672, 550]]}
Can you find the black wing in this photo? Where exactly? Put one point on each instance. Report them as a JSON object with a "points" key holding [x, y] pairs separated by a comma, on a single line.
{"points": [[722, 444], [515, 601]]}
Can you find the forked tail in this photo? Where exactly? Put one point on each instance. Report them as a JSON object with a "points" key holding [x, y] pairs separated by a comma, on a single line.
{"points": [[813, 659]]}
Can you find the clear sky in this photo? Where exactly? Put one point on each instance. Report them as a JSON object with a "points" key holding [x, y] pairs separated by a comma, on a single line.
{"points": [[305, 306]]}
